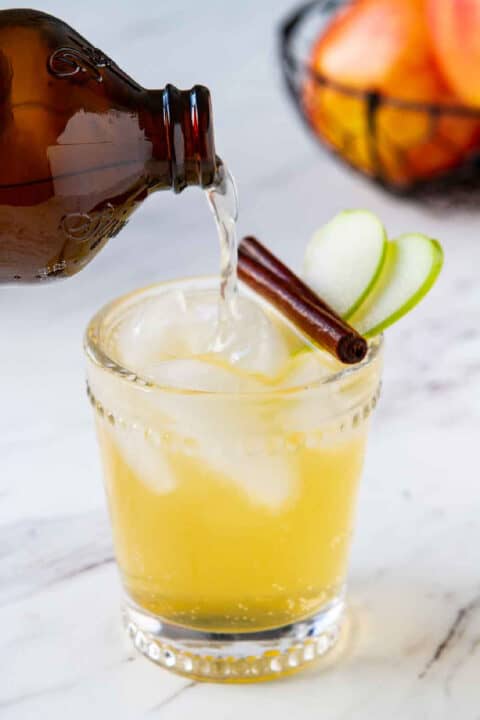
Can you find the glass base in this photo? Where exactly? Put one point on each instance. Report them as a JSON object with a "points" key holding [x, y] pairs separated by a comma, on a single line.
{"points": [[239, 657]]}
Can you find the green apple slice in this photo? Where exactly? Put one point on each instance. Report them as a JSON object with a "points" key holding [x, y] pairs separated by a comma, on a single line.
{"points": [[412, 265], [344, 259]]}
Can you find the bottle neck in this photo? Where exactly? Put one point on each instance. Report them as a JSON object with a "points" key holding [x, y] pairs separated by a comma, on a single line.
{"points": [[180, 126]]}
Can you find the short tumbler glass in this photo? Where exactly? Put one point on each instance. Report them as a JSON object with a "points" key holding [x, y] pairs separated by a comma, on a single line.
{"points": [[232, 513]]}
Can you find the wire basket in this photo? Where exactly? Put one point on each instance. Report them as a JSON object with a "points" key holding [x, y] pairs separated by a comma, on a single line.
{"points": [[409, 148]]}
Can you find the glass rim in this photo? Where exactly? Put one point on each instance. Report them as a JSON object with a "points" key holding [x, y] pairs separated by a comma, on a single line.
{"points": [[98, 356]]}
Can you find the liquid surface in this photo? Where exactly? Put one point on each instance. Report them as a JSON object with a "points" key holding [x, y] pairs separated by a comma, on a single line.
{"points": [[172, 339], [231, 512]]}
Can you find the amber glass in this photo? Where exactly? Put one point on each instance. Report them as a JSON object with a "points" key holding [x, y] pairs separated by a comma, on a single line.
{"points": [[81, 145]]}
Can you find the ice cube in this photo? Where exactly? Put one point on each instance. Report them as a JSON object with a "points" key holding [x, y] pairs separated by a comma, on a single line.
{"points": [[230, 433], [308, 403], [168, 339], [144, 458], [165, 326], [178, 324], [258, 342], [208, 374], [133, 425], [307, 368]]}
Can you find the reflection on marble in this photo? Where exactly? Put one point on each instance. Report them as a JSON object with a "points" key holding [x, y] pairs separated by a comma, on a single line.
{"points": [[414, 649]]}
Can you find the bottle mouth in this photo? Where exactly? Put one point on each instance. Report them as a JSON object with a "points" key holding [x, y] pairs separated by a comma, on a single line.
{"points": [[189, 122]]}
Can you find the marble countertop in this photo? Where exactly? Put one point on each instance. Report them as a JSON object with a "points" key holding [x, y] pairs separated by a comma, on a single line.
{"points": [[415, 572]]}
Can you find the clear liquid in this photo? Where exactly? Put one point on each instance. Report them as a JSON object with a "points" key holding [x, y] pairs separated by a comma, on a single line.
{"points": [[223, 201]]}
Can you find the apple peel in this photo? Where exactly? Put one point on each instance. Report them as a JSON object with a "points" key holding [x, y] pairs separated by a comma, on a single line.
{"points": [[412, 266]]}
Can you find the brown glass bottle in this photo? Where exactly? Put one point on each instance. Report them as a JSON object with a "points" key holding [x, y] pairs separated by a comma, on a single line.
{"points": [[81, 145]]}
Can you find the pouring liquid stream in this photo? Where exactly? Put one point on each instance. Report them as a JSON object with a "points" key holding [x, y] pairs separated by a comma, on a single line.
{"points": [[223, 201]]}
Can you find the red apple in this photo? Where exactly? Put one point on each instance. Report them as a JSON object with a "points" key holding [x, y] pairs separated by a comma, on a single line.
{"points": [[455, 30], [384, 46]]}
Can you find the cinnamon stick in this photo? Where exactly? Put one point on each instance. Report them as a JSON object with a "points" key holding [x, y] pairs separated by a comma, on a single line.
{"points": [[305, 310], [254, 249]]}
